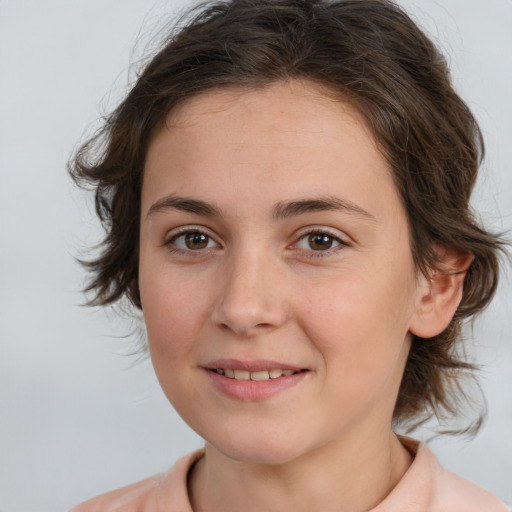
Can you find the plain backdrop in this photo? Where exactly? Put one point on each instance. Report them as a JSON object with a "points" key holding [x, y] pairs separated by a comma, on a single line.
{"points": [[78, 414]]}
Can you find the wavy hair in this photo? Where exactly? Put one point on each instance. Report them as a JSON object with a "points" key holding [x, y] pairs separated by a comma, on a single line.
{"points": [[367, 52]]}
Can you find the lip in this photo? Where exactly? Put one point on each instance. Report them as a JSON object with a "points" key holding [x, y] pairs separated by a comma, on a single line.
{"points": [[251, 390], [251, 366]]}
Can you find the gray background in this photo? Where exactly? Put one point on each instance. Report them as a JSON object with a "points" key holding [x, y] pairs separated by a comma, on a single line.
{"points": [[78, 414]]}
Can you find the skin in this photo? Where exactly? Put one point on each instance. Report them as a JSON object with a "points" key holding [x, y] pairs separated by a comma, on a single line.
{"points": [[259, 290]]}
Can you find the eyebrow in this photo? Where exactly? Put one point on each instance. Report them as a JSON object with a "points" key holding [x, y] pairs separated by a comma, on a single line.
{"points": [[281, 210], [285, 210], [185, 204]]}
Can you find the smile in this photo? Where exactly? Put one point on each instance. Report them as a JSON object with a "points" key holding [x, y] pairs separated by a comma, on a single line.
{"points": [[254, 381], [274, 373]]}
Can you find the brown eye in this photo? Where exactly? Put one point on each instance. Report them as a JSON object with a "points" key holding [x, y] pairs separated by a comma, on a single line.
{"points": [[192, 241], [196, 241], [320, 241]]}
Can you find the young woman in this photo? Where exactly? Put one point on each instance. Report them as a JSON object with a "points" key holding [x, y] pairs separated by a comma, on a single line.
{"points": [[285, 191]]}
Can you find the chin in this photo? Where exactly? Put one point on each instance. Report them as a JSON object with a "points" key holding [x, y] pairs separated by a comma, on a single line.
{"points": [[268, 449]]}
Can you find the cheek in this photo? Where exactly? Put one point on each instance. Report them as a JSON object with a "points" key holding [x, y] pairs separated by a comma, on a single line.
{"points": [[362, 343], [173, 313], [359, 323], [172, 317]]}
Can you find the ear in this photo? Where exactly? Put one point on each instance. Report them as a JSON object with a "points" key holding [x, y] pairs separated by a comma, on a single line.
{"points": [[439, 294]]}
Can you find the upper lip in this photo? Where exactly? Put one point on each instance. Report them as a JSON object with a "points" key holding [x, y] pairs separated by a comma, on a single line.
{"points": [[255, 365]]}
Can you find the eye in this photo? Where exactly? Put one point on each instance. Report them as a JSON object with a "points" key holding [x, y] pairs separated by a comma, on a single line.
{"points": [[319, 241], [191, 241]]}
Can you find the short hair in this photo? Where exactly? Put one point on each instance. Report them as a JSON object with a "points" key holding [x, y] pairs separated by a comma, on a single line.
{"points": [[367, 52]]}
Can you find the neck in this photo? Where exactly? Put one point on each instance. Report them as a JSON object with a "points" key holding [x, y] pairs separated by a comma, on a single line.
{"points": [[344, 475]]}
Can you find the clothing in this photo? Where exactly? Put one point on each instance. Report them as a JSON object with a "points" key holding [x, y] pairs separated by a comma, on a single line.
{"points": [[425, 487]]}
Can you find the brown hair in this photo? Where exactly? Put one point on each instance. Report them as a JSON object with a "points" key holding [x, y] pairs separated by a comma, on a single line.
{"points": [[368, 52]]}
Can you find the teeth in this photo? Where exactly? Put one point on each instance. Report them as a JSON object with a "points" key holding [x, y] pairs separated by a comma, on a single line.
{"points": [[260, 375], [242, 375], [274, 373]]}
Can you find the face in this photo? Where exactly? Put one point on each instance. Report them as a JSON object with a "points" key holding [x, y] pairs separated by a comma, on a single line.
{"points": [[276, 276]]}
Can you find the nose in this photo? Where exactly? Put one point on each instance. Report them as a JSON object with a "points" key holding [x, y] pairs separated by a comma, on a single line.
{"points": [[252, 296]]}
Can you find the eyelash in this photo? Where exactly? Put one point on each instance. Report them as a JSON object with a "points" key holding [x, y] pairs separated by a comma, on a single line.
{"points": [[186, 231], [309, 253]]}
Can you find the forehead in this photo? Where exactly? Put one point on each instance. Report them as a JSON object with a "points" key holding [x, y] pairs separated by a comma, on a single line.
{"points": [[285, 140], [299, 108]]}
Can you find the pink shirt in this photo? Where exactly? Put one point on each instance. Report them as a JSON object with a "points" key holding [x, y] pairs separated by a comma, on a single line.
{"points": [[425, 487]]}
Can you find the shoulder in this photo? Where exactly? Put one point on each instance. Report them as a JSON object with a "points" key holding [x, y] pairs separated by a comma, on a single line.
{"points": [[461, 494], [140, 496], [166, 492], [450, 492], [428, 487]]}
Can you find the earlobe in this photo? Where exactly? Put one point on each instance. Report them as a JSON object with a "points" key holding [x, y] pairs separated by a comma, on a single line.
{"points": [[440, 293]]}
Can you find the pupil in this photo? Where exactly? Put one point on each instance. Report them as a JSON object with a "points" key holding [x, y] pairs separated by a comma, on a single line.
{"points": [[196, 240], [318, 241]]}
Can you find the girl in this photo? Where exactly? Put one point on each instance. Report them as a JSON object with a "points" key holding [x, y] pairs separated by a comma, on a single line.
{"points": [[286, 196]]}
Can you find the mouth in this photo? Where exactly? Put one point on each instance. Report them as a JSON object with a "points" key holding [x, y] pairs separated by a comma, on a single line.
{"points": [[260, 375], [254, 381]]}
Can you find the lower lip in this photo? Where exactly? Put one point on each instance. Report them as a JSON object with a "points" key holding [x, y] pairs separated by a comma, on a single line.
{"points": [[254, 390]]}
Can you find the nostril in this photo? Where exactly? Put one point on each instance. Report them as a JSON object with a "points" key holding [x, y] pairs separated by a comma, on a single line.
{"points": [[246, 315]]}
